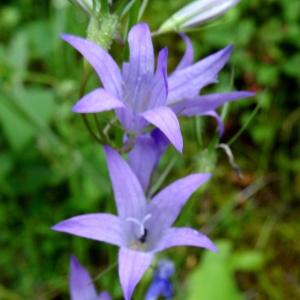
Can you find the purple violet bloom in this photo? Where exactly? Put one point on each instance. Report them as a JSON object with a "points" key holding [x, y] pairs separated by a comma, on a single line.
{"points": [[188, 79], [141, 95], [141, 228], [81, 284], [161, 285], [184, 85], [138, 93]]}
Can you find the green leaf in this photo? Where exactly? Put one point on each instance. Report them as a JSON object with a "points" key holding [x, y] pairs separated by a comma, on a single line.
{"points": [[248, 261], [214, 277], [16, 128], [26, 114]]}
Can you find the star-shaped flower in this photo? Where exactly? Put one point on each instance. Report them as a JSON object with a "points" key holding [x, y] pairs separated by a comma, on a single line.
{"points": [[141, 95], [81, 284], [138, 93], [184, 85], [141, 228]]}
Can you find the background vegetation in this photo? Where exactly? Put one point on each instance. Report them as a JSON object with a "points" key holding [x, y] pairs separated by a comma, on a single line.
{"points": [[51, 169]]}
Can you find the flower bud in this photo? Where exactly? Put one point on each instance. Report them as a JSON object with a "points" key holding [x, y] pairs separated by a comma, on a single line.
{"points": [[86, 5], [196, 13]]}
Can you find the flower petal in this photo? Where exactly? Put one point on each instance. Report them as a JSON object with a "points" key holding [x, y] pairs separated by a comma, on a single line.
{"points": [[129, 195], [132, 266], [105, 66], [167, 204], [141, 59], [97, 101], [201, 104], [101, 227], [187, 83], [103, 296], [130, 121], [159, 88], [188, 56], [220, 124], [184, 236], [80, 282], [149, 146], [165, 119]]}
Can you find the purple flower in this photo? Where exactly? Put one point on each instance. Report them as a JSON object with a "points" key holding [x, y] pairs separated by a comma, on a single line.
{"points": [[81, 284], [141, 228], [161, 285], [185, 84], [141, 95], [138, 93], [188, 79]]}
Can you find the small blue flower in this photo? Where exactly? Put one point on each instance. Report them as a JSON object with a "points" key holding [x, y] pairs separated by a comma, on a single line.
{"points": [[161, 284]]}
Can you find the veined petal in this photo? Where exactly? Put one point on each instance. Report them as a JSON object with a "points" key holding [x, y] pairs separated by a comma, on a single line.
{"points": [[130, 121], [201, 104], [129, 195], [101, 227], [103, 296], [97, 101], [215, 115], [132, 266], [159, 88], [167, 204], [105, 66], [187, 83], [188, 56], [150, 147], [184, 236], [141, 52], [165, 119], [80, 282]]}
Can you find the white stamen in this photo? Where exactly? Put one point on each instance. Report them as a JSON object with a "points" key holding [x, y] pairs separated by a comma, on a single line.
{"points": [[140, 224]]}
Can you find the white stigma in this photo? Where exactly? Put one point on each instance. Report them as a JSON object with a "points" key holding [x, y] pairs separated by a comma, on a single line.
{"points": [[140, 224]]}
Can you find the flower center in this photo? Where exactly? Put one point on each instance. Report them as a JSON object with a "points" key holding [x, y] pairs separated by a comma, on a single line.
{"points": [[140, 232]]}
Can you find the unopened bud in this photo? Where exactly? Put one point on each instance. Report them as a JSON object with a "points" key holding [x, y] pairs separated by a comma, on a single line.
{"points": [[196, 13]]}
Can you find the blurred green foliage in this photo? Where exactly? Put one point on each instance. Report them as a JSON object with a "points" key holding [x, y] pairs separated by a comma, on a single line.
{"points": [[50, 169]]}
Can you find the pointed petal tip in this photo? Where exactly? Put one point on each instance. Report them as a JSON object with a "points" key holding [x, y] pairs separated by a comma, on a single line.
{"points": [[63, 35], [73, 259], [142, 25], [214, 248], [202, 177], [179, 145], [250, 94], [68, 37], [56, 227], [74, 263], [76, 109], [142, 28], [229, 48]]}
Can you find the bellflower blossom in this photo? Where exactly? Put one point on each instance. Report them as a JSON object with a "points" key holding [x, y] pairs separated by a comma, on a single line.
{"points": [[185, 84], [138, 93], [141, 96], [161, 285], [81, 284], [141, 228]]}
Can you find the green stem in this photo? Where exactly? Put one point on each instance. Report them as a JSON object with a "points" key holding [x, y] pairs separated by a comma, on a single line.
{"points": [[237, 135], [90, 130], [107, 270]]}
